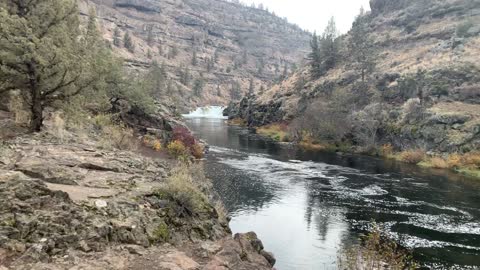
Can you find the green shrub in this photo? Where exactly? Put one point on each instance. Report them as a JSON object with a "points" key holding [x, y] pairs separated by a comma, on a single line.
{"points": [[375, 252]]}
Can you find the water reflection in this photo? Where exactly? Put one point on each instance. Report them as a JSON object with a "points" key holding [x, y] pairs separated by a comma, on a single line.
{"points": [[305, 205]]}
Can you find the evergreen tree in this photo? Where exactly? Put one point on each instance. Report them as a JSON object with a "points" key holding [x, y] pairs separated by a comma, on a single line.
{"points": [[315, 59], [128, 43], [210, 64], [117, 41], [285, 73], [235, 91], [262, 89], [172, 53], [43, 56], [184, 76], [156, 79], [194, 58], [216, 56], [361, 47], [198, 86], [329, 46]]}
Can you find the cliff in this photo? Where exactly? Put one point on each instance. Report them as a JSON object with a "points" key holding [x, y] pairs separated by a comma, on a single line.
{"points": [[424, 91], [223, 44]]}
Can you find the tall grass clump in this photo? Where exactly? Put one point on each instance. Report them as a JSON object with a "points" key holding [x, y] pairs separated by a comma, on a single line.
{"points": [[414, 156], [375, 252]]}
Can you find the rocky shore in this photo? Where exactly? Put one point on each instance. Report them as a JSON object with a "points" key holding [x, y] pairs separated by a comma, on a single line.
{"points": [[71, 205]]}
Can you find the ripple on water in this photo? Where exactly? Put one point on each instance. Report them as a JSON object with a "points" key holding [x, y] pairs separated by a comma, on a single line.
{"points": [[368, 196]]}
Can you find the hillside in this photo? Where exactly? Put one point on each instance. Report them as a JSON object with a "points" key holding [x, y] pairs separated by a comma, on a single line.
{"points": [[214, 46], [424, 91]]}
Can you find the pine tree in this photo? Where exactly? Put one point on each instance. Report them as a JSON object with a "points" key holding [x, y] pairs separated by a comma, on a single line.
{"points": [[156, 80], [329, 46], [198, 86], [235, 91], [315, 60], [43, 55], [128, 43], [361, 47]]}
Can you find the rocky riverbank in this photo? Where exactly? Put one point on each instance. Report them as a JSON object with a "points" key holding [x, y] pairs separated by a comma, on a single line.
{"points": [[73, 205]]}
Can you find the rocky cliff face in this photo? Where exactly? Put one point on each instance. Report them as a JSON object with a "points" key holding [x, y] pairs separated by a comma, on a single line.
{"points": [[427, 49], [232, 44]]}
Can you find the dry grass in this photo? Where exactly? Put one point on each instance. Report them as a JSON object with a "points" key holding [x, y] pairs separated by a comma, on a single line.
{"points": [[237, 122], [19, 109], [182, 188], [308, 143], [278, 132], [386, 150], [412, 156], [468, 163], [112, 135]]}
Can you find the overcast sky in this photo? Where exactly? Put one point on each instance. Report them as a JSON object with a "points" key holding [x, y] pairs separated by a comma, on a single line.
{"points": [[314, 14]]}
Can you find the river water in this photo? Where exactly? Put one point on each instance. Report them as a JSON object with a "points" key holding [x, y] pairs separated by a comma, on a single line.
{"points": [[305, 206]]}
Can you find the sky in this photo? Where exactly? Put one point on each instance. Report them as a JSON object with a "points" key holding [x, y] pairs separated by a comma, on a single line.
{"points": [[313, 15]]}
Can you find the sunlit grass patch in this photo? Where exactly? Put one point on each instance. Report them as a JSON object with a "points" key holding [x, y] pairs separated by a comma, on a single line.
{"points": [[278, 132]]}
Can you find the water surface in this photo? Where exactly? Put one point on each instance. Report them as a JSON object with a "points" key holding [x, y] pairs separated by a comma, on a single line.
{"points": [[304, 206]]}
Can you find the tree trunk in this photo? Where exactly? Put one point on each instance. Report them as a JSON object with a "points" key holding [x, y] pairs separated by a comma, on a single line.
{"points": [[36, 107]]}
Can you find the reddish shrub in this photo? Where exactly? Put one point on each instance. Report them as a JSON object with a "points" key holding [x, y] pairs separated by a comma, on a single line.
{"points": [[183, 135]]}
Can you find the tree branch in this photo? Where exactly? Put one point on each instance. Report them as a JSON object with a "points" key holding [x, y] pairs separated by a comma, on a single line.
{"points": [[61, 84], [56, 21]]}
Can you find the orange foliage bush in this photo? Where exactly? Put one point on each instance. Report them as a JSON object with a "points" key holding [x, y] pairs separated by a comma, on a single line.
{"points": [[198, 151], [412, 156]]}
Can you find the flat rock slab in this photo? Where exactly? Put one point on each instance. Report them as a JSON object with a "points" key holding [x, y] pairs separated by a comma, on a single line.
{"points": [[79, 193]]}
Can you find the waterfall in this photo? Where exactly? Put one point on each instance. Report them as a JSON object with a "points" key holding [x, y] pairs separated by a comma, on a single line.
{"points": [[213, 112]]}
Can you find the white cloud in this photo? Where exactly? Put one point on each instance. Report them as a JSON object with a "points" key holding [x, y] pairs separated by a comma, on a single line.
{"points": [[314, 14]]}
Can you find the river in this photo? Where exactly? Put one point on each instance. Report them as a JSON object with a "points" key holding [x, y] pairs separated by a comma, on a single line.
{"points": [[305, 206]]}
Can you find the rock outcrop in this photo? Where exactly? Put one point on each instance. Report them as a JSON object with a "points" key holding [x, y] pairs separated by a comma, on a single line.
{"points": [[74, 205], [231, 43]]}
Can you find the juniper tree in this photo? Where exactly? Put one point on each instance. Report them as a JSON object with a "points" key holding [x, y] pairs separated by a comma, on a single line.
{"points": [[194, 58], [128, 43], [198, 86], [117, 41], [43, 55]]}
